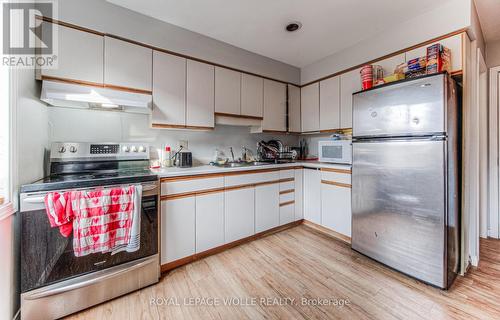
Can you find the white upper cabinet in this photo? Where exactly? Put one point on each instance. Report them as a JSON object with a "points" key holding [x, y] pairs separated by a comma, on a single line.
{"points": [[127, 65], [350, 82], [453, 43], [274, 106], [169, 89], [329, 103], [252, 95], [309, 103], [80, 55], [227, 91], [294, 124], [200, 94]]}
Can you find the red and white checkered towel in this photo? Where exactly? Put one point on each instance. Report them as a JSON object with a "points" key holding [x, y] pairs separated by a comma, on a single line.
{"points": [[102, 219]]}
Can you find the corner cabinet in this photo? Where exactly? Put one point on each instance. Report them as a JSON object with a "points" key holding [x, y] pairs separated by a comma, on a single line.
{"points": [[294, 117], [127, 65], [274, 106], [200, 95]]}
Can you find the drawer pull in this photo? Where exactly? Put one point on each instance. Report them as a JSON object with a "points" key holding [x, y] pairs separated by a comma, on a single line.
{"points": [[338, 184]]}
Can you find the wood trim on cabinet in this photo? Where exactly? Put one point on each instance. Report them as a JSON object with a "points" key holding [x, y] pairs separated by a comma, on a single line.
{"points": [[387, 56], [179, 126], [328, 232], [69, 25], [95, 84], [236, 173], [274, 131], [287, 180], [241, 116], [287, 191], [338, 184], [241, 186], [287, 203], [177, 263], [133, 90], [334, 130], [348, 171], [264, 183], [192, 177], [190, 194]]}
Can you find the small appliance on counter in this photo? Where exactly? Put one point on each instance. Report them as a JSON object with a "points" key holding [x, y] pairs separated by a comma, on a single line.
{"points": [[337, 149], [183, 158]]}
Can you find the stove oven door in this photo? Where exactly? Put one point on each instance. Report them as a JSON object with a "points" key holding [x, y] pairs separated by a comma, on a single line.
{"points": [[47, 257]]}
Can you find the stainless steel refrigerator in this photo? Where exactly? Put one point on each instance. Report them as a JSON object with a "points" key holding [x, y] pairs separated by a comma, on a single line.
{"points": [[405, 177]]}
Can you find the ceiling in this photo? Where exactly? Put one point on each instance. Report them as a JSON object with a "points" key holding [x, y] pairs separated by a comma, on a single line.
{"points": [[258, 26], [489, 16]]}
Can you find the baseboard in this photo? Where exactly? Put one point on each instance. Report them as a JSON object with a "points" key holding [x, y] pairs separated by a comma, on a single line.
{"points": [[328, 232]]}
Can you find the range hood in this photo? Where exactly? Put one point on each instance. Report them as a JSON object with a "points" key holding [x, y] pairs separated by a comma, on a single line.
{"points": [[61, 94]]}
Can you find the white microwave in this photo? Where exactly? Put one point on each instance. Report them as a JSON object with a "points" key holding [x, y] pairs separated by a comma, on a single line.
{"points": [[335, 151]]}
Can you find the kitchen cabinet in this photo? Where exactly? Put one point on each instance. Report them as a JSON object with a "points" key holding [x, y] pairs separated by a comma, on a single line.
{"points": [[200, 94], [312, 195], [336, 202], [267, 207], [127, 65], [177, 229], [349, 83], [227, 91], [169, 89], [309, 103], [239, 213], [294, 117], [299, 194], [80, 55], [209, 221], [329, 103], [454, 43], [274, 106], [287, 213], [252, 95]]}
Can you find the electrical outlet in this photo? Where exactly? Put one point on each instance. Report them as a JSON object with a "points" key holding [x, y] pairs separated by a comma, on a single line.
{"points": [[183, 144]]}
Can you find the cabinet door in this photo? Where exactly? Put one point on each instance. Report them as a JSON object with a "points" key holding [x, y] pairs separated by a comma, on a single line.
{"points": [[309, 103], [274, 106], [80, 55], [227, 91], [299, 194], [252, 95], [267, 207], [239, 213], [169, 89], [287, 213], [127, 65], [329, 103], [200, 94], [453, 43], [177, 229], [312, 195], [336, 208], [294, 117], [350, 82], [209, 221]]}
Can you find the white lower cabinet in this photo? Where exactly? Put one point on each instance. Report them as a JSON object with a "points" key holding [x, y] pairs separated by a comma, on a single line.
{"points": [[299, 194], [239, 210], [209, 221], [177, 229], [312, 195], [267, 207], [287, 213], [336, 208]]}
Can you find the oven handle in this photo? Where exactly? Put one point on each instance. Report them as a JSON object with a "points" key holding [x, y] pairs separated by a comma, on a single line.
{"points": [[86, 283], [34, 200]]}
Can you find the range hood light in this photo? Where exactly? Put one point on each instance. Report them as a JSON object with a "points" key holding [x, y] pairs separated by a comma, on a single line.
{"points": [[109, 106]]}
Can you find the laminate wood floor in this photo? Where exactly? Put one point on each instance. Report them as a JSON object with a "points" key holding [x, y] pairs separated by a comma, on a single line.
{"points": [[301, 263]]}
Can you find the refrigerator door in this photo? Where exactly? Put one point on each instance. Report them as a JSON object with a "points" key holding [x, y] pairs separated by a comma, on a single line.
{"points": [[415, 107], [398, 205]]}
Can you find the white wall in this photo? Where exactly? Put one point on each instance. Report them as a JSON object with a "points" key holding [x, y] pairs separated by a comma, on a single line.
{"points": [[100, 126], [106, 17], [446, 18], [493, 53]]}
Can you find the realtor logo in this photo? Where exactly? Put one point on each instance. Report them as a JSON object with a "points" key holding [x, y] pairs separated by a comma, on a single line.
{"points": [[27, 42]]}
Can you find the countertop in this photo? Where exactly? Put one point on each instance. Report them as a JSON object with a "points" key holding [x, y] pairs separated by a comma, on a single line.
{"points": [[207, 169]]}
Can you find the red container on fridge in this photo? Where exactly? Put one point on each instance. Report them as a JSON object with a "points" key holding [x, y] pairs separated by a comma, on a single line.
{"points": [[366, 77]]}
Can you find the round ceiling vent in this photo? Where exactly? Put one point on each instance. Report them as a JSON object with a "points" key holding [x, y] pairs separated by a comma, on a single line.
{"points": [[293, 26]]}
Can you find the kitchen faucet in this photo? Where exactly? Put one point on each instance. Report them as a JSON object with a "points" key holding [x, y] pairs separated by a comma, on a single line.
{"points": [[232, 153]]}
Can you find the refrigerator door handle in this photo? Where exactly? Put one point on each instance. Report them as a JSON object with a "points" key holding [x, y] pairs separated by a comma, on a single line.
{"points": [[406, 138]]}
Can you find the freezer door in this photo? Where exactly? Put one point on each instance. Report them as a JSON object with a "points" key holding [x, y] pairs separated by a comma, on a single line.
{"points": [[398, 205], [414, 107]]}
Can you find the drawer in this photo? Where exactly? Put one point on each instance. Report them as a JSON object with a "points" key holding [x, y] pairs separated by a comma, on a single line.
{"points": [[250, 178], [289, 185], [336, 177], [184, 185], [287, 213], [285, 174], [287, 197]]}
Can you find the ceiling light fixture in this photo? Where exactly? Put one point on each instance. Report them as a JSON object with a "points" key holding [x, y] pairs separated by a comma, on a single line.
{"points": [[293, 26]]}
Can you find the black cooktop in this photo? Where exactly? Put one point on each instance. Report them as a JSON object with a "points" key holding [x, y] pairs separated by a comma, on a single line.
{"points": [[89, 179]]}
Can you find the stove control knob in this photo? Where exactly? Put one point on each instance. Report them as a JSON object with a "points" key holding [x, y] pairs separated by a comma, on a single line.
{"points": [[142, 149], [126, 149], [62, 149], [73, 149], [133, 149]]}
